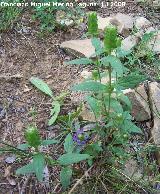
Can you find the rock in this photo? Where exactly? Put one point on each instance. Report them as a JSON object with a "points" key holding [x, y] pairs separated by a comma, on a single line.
{"points": [[87, 115], [85, 74], [140, 108], [132, 169], [89, 127], [62, 19], [10, 159], [123, 22], [103, 22], [156, 4], [154, 44], [142, 23], [2, 112], [154, 92], [129, 42], [77, 97], [78, 48], [149, 30]]}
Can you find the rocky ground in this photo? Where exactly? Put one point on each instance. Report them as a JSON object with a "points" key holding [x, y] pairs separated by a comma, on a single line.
{"points": [[23, 54]]}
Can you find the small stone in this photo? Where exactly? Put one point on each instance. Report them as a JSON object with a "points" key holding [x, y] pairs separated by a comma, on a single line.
{"points": [[140, 108], [89, 127], [10, 159], [79, 48], [2, 112], [142, 23], [129, 42]]}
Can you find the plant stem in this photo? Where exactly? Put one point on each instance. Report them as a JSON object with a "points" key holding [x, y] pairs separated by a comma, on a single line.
{"points": [[99, 76], [15, 148], [110, 88]]}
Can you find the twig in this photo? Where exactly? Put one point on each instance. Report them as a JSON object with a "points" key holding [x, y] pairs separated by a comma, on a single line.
{"points": [[80, 180]]}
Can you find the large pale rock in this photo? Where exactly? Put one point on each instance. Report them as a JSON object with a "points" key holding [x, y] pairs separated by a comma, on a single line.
{"points": [[87, 115], [103, 22], [78, 48], [123, 22], [129, 42], [142, 23], [86, 74], [132, 169], [140, 107], [154, 89], [154, 44]]}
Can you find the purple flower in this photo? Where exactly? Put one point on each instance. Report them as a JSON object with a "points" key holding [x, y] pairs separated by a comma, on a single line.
{"points": [[80, 137]]}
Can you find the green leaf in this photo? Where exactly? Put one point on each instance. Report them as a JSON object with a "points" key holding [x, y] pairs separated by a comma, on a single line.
{"points": [[114, 104], [23, 146], [131, 81], [83, 61], [71, 158], [114, 62], [98, 47], [95, 105], [125, 100], [49, 142], [96, 43], [41, 85], [27, 169], [54, 112], [130, 127], [89, 86], [68, 143], [93, 149], [38, 165], [65, 176], [122, 53]]}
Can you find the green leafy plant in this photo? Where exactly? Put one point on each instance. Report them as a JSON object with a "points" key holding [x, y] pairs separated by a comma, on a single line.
{"points": [[8, 15], [103, 142], [107, 102], [56, 104]]}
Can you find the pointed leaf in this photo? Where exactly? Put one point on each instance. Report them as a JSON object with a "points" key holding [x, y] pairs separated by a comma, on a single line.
{"points": [[95, 105], [38, 166], [114, 62], [23, 146], [49, 142], [65, 176], [54, 112], [27, 169], [68, 143], [131, 81], [71, 158], [89, 86], [41, 85], [96, 43]]}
